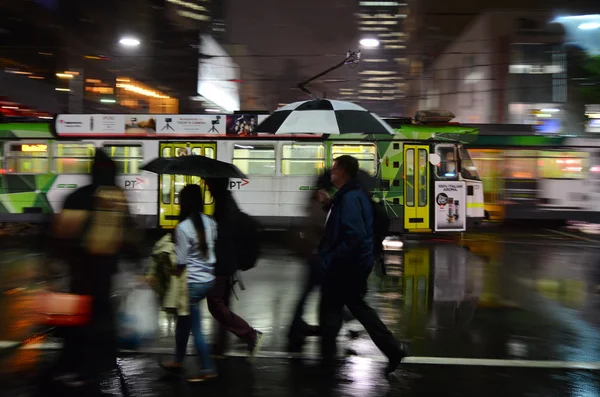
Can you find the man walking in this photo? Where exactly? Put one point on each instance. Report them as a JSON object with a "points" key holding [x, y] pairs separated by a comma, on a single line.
{"points": [[345, 260]]}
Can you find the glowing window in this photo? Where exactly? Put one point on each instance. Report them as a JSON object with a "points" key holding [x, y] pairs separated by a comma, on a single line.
{"points": [[255, 159], [365, 154], [303, 159], [73, 158], [128, 158], [27, 158]]}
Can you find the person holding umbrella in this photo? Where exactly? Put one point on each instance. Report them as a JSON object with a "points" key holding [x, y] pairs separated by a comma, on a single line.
{"points": [[216, 174], [194, 239]]}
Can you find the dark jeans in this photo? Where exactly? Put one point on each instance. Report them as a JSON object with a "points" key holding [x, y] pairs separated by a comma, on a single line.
{"points": [[218, 301], [351, 294]]}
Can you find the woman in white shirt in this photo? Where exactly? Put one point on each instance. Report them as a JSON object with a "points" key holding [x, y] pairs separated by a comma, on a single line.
{"points": [[194, 238]]}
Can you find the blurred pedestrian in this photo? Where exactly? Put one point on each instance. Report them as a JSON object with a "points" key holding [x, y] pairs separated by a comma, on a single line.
{"points": [[345, 260], [226, 214], [89, 234], [171, 289], [195, 238]]}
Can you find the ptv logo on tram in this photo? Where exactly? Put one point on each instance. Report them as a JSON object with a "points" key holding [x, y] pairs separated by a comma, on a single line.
{"points": [[134, 183], [238, 184]]}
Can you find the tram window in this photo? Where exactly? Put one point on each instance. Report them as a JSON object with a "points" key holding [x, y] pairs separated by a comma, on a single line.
{"points": [[73, 158], [27, 158], [128, 158], [561, 165], [303, 159], [197, 151], [209, 152], [167, 152], [468, 170], [520, 164], [255, 159], [166, 189], [446, 169], [365, 154]]}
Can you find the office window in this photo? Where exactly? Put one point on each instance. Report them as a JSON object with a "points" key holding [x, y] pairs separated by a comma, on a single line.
{"points": [[128, 158], [73, 158], [303, 159], [27, 158], [255, 159]]}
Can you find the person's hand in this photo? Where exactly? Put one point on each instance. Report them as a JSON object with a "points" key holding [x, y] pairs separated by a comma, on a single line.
{"points": [[152, 281], [177, 271], [323, 196]]}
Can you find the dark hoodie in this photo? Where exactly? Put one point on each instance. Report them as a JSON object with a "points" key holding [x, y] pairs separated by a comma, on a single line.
{"points": [[226, 211], [91, 274], [86, 269]]}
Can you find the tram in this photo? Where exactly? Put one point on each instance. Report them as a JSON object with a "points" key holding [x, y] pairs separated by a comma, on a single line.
{"points": [[426, 178]]}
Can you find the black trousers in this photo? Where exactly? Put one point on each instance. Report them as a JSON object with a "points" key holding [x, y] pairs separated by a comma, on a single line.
{"points": [[345, 293]]}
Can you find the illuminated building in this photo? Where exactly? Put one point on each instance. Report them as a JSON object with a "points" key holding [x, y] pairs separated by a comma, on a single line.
{"points": [[380, 72], [143, 99], [57, 36], [505, 67]]}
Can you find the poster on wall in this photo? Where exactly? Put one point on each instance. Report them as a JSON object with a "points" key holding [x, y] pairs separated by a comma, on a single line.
{"points": [[241, 124], [190, 124], [450, 206], [90, 123], [158, 124]]}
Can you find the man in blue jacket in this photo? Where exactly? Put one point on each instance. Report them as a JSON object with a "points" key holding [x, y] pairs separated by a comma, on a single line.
{"points": [[345, 260]]}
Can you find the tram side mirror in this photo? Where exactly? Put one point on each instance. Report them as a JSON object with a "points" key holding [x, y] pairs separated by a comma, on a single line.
{"points": [[435, 158]]}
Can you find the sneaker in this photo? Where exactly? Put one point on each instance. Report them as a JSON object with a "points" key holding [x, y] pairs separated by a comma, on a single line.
{"points": [[202, 377], [254, 346], [395, 361], [171, 366]]}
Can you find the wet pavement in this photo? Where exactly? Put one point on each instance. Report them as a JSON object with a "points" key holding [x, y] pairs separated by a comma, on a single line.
{"points": [[494, 314]]}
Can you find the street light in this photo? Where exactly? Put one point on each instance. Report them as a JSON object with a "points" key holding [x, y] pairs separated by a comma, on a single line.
{"points": [[369, 43], [589, 26], [129, 42]]}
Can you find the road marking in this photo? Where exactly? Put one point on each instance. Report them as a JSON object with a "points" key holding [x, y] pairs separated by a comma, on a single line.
{"points": [[454, 361], [554, 243], [590, 240], [501, 363]]}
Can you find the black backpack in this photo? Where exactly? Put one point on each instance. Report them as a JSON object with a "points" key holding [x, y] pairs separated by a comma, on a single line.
{"points": [[248, 241], [381, 224]]}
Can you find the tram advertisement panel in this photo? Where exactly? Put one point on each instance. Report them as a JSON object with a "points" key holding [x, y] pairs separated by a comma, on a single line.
{"points": [[450, 206]]}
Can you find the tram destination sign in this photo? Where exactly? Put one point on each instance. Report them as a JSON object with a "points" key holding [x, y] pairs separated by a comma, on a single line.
{"points": [[157, 124]]}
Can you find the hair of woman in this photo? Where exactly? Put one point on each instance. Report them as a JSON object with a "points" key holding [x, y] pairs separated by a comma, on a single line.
{"points": [[192, 206]]}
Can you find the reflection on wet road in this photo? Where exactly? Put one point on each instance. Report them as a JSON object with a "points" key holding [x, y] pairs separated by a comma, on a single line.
{"points": [[484, 299]]}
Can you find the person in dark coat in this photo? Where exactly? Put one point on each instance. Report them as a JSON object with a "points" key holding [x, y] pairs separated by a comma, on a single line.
{"points": [[226, 211], [345, 261], [90, 234]]}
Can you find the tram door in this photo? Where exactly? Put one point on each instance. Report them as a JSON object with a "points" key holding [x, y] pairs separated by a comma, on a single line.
{"points": [[416, 188], [171, 185]]}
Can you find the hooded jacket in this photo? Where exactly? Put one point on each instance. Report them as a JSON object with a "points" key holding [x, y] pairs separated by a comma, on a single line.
{"points": [[346, 249], [79, 232]]}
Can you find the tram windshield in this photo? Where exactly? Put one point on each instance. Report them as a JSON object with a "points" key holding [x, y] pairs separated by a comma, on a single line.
{"points": [[467, 166]]}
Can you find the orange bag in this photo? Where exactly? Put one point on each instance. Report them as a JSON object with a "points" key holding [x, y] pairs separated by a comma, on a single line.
{"points": [[61, 309]]}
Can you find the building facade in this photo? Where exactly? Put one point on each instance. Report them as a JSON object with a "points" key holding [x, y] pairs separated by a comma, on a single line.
{"points": [[380, 74], [505, 67], [70, 49]]}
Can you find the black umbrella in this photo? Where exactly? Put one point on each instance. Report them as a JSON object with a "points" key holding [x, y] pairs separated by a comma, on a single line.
{"points": [[201, 166], [368, 182]]}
